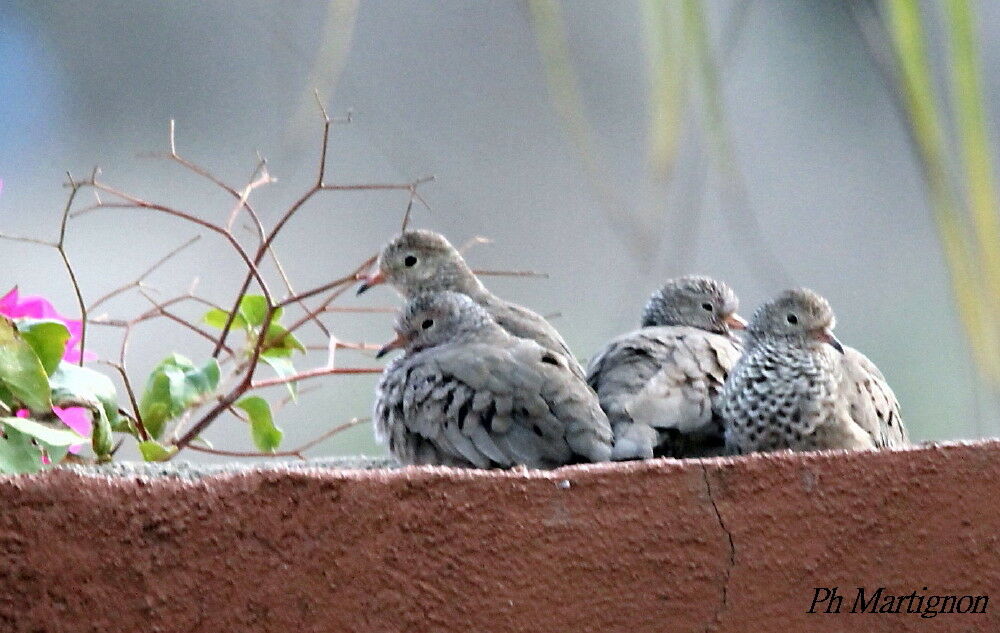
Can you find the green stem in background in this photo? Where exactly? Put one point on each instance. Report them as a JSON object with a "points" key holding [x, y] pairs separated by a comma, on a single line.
{"points": [[564, 91], [667, 65], [913, 72], [743, 225], [327, 66], [967, 97]]}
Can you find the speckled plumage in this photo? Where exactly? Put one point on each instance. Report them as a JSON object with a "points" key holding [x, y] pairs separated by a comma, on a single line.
{"points": [[793, 389], [467, 393], [438, 266], [661, 385]]}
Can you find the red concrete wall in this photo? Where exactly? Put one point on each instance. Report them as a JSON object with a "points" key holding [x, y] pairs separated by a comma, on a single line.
{"points": [[715, 545]]}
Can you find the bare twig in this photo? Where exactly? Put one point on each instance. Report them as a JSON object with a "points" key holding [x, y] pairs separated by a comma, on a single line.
{"points": [[320, 185], [365, 265], [361, 309], [295, 452], [27, 240], [137, 282], [140, 427], [511, 273], [61, 247], [314, 373], [138, 203]]}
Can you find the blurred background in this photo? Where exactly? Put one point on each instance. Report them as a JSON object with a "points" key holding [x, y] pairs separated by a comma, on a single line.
{"points": [[845, 146]]}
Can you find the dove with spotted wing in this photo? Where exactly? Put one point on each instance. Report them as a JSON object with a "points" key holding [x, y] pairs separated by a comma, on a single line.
{"points": [[797, 387], [467, 393]]}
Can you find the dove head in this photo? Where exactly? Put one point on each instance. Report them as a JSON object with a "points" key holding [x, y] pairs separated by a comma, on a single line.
{"points": [[422, 261], [799, 317], [432, 319], [698, 302]]}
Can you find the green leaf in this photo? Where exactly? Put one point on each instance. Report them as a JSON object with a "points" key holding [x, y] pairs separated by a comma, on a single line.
{"points": [[174, 386], [18, 454], [152, 451], [48, 338], [55, 454], [73, 385], [282, 365], [266, 436], [21, 371], [217, 318], [916, 83], [279, 338], [51, 435], [977, 159], [253, 308]]}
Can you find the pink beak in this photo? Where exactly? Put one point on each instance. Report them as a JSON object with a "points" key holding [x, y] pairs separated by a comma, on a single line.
{"points": [[736, 322]]}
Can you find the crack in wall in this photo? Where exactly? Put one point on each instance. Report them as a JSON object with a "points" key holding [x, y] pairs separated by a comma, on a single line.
{"points": [[724, 602]]}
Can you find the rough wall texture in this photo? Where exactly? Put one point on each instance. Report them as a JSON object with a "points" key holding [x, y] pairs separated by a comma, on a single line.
{"points": [[701, 545]]}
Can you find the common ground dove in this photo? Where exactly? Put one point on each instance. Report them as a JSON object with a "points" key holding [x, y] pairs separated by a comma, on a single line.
{"points": [[796, 387], [424, 261], [661, 385], [467, 393]]}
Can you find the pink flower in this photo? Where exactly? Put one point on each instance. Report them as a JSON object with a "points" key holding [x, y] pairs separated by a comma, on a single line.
{"points": [[15, 306], [76, 418]]}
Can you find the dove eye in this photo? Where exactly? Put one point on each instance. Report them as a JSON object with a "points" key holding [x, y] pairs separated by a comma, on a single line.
{"points": [[707, 306], [410, 261], [791, 318], [427, 324]]}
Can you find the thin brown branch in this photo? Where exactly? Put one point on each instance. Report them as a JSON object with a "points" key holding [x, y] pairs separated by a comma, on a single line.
{"points": [[27, 240], [312, 292], [289, 398], [181, 321], [361, 346], [362, 309], [393, 186], [61, 247], [511, 273], [140, 427], [365, 265], [319, 185], [134, 202], [259, 178], [137, 282], [314, 373], [295, 452]]}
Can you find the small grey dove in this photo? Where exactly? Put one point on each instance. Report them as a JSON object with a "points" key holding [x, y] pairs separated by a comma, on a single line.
{"points": [[796, 387], [661, 385], [467, 393], [424, 261]]}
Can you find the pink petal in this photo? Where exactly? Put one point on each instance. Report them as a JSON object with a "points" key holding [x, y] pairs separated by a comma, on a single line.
{"points": [[76, 418], [36, 308], [75, 329], [22, 413], [8, 301]]}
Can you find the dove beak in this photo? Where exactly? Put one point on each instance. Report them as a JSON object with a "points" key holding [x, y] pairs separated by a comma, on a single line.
{"points": [[397, 343], [827, 336], [736, 322], [368, 281]]}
